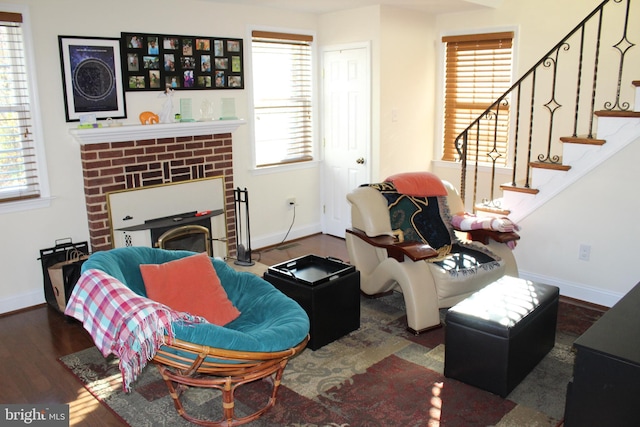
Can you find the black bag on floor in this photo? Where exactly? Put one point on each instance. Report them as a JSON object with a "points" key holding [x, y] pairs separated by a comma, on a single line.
{"points": [[61, 266]]}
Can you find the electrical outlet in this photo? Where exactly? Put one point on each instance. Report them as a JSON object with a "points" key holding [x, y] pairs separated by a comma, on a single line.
{"points": [[291, 202], [585, 252]]}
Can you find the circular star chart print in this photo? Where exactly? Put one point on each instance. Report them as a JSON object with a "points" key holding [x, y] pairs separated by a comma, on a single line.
{"points": [[93, 79]]}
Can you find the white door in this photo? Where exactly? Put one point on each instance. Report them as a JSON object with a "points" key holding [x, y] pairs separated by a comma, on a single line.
{"points": [[346, 116]]}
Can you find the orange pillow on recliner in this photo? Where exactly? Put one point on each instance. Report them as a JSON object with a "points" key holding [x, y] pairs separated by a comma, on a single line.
{"points": [[418, 184], [189, 284]]}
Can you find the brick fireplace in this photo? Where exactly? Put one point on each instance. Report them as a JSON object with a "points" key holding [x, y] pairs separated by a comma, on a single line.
{"points": [[122, 164]]}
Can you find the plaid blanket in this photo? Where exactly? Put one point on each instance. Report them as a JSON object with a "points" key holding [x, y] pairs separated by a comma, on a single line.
{"points": [[122, 322]]}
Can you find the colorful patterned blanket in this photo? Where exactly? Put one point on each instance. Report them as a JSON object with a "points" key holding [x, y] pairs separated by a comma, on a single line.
{"points": [[428, 220], [419, 218], [122, 322]]}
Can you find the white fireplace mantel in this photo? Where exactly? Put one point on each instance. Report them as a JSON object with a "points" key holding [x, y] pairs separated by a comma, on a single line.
{"points": [[156, 131]]}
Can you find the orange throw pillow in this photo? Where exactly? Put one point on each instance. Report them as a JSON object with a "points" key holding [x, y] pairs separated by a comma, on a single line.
{"points": [[190, 284]]}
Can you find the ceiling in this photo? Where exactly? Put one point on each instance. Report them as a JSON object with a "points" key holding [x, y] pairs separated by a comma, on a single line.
{"points": [[326, 6]]}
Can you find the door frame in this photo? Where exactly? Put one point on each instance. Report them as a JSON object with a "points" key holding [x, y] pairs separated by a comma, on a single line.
{"points": [[368, 149]]}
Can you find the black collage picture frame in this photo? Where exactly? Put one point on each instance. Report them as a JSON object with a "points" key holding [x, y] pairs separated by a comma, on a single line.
{"points": [[159, 61]]}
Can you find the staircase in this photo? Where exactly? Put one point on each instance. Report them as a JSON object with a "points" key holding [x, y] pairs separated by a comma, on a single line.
{"points": [[580, 155], [570, 112]]}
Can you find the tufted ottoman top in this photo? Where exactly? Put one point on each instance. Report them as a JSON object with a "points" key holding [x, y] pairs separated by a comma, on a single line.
{"points": [[502, 307]]}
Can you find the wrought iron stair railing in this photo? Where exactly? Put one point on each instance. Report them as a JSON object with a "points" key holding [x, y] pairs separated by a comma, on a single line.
{"points": [[542, 107]]}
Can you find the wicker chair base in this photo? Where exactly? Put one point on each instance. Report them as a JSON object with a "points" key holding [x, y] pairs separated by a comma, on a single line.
{"points": [[232, 370]]}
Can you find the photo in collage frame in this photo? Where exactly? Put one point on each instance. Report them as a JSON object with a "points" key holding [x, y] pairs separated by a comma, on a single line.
{"points": [[158, 61]]}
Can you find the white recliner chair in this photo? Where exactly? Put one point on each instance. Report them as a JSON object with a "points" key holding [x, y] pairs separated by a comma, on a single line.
{"points": [[406, 242]]}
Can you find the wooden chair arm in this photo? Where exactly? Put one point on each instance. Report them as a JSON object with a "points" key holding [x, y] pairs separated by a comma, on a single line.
{"points": [[483, 236], [416, 251]]}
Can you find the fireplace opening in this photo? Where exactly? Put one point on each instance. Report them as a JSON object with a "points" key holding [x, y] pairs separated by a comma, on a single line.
{"points": [[195, 238], [191, 231]]}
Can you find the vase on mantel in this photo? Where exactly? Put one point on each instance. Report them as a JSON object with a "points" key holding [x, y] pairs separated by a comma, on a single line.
{"points": [[206, 110]]}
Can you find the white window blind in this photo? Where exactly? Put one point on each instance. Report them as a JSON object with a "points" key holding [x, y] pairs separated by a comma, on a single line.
{"points": [[478, 72], [282, 90], [18, 166]]}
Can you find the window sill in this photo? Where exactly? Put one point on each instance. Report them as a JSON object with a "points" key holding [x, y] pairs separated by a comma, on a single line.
{"points": [[284, 168], [25, 205]]}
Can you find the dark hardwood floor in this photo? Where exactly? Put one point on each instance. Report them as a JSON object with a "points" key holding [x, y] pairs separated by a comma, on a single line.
{"points": [[318, 244], [34, 339]]}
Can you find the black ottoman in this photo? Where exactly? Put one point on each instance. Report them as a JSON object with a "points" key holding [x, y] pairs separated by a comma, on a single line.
{"points": [[495, 337], [327, 289]]}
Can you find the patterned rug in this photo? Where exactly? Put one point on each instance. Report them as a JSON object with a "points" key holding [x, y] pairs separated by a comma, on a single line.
{"points": [[379, 375]]}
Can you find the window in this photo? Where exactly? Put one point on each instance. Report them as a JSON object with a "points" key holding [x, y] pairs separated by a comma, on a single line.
{"points": [[477, 73], [19, 171], [282, 96]]}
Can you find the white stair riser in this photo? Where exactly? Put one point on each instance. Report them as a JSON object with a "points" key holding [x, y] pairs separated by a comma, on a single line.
{"points": [[511, 200], [572, 153], [540, 176]]}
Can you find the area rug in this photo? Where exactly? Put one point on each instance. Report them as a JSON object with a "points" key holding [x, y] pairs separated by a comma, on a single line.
{"points": [[380, 375]]}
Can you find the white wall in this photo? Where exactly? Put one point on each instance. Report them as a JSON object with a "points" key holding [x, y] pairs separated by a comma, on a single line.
{"points": [[558, 16], [406, 91], [24, 233], [599, 210], [402, 45]]}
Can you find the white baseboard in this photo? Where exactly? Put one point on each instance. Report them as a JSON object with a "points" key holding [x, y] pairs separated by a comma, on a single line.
{"points": [[19, 302], [576, 290]]}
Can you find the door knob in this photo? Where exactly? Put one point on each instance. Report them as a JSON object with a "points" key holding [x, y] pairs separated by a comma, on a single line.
{"points": [[360, 161]]}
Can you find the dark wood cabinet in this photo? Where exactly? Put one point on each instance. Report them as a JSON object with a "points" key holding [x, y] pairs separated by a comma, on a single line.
{"points": [[605, 390]]}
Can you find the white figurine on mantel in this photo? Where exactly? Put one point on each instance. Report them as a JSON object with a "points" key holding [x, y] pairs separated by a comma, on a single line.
{"points": [[166, 116]]}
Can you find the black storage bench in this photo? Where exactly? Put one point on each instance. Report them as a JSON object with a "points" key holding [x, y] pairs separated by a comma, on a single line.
{"points": [[327, 289], [496, 336]]}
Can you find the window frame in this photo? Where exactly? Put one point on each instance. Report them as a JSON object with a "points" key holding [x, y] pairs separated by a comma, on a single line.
{"points": [[44, 199], [480, 33], [249, 73]]}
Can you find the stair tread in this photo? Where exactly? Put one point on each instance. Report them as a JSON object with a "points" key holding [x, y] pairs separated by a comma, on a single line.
{"points": [[552, 166], [582, 140], [519, 187], [607, 113], [492, 210]]}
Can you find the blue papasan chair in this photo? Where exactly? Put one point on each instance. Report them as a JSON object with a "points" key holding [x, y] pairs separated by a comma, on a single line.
{"points": [[188, 351]]}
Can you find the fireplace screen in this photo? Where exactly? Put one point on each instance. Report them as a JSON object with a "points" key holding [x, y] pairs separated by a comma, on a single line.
{"points": [[144, 216]]}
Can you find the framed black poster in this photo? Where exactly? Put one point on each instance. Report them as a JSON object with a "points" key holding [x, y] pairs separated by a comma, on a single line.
{"points": [[158, 61], [91, 77]]}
